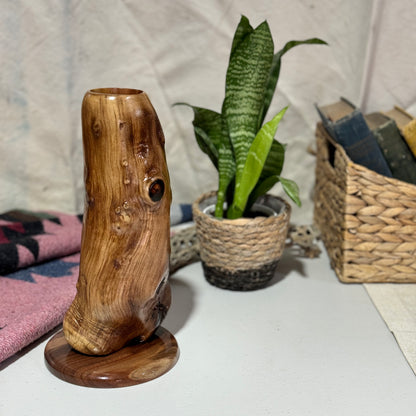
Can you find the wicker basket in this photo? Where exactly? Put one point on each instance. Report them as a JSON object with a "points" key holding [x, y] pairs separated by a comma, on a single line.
{"points": [[241, 254], [184, 247], [367, 221]]}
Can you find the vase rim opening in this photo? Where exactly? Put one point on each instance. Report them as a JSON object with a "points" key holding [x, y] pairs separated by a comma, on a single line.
{"points": [[116, 91]]}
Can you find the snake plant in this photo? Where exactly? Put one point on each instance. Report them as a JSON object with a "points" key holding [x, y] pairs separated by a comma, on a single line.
{"points": [[248, 158]]}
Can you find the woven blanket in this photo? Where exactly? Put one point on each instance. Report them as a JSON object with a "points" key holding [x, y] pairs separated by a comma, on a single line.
{"points": [[39, 263]]}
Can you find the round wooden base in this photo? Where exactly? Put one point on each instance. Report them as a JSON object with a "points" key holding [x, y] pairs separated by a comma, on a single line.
{"points": [[133, 364]]}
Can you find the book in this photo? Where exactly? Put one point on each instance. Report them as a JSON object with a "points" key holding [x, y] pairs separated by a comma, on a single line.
{"points": [[406, 124], [395, 150], [347, 126]]}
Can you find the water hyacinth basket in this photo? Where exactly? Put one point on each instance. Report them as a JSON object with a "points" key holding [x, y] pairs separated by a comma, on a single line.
{"points": [[367, 221]]}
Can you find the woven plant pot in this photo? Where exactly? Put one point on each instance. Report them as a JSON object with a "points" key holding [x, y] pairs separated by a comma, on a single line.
{"points": [[241, 254]]}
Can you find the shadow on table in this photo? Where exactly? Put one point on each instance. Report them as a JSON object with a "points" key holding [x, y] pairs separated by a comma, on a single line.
{"points": [[290, 262], [182, 304]]}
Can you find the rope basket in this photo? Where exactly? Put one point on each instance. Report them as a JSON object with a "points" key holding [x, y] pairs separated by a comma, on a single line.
{"points": [[367, 221], [241, 254], [184, 248]]}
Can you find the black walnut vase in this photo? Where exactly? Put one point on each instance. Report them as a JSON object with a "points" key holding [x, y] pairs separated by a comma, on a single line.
{"points": [[111, 333]]}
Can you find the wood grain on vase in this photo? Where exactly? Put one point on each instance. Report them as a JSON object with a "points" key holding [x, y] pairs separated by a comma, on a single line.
{"points": [[122, 290]]}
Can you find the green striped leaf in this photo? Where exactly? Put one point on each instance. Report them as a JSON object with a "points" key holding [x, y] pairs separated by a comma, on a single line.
{"points": [[212, 137], [209, 131], [262, 188], [275, 71], [291, 189], [275, 160], [226, 173], [253, 165], [243, 30], [246, 79], [206, 145], [270, 173]]}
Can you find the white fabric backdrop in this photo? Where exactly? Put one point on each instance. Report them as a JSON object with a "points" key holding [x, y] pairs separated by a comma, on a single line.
{"points": [[52, 52]]}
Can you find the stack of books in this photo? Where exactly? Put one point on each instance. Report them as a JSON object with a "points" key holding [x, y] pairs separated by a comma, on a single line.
{"points": [[384, 142]]}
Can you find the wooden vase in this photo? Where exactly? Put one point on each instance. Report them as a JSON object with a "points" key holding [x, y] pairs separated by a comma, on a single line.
{"points": [[123, 292]]}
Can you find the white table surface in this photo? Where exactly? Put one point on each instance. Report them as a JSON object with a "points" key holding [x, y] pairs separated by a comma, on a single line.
{"points": [[306, 345]]}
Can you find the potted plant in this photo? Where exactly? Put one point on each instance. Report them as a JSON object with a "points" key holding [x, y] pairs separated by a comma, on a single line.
{"points": [[242, 230]]}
